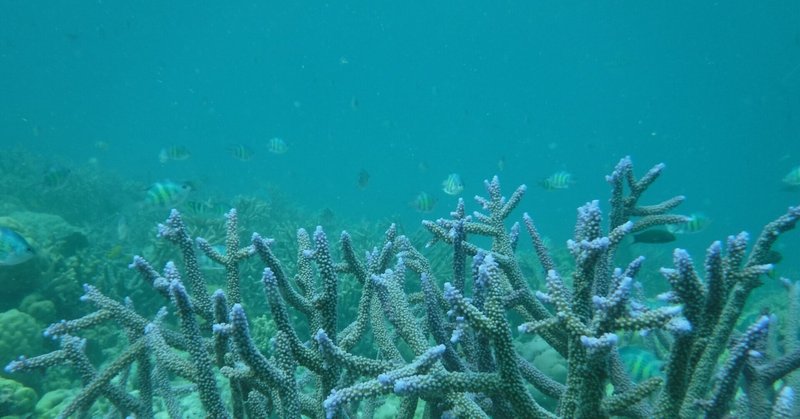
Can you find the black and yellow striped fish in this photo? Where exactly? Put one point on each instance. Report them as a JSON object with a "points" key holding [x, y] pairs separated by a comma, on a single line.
{"points": [[167, 193], [174, 153], [641, 363], [277, 145], [695, 223], [241, 152], [558, 180], [423, 202]]}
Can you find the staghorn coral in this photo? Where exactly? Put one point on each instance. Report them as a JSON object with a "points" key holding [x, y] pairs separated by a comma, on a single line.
{"points": [[448, 349]]}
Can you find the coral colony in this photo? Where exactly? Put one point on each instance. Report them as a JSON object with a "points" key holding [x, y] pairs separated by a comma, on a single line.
{"points": [[447, 350]]}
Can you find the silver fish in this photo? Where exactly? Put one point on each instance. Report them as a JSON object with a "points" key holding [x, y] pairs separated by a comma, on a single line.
{"points": [[14, 249]]}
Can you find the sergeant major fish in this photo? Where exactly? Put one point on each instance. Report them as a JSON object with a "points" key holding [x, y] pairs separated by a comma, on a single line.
{"points": [[423, 203], [695, 223], [55, 177], [558, 180], [241, 152], [641, 364], [167, 193], [174, 153], [277, 145], [453, 185]]}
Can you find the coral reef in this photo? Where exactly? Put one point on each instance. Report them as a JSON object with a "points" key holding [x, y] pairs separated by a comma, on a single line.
{"points": [[15, 398], [20, 333], [351, 333], [26, 183]]}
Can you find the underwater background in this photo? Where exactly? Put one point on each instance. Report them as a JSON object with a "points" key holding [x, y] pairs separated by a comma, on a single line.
{"points": [[357, 114]]}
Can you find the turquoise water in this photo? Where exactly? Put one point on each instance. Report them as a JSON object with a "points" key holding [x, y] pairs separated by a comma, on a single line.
{"points": [[712, 90], [409, 93]]}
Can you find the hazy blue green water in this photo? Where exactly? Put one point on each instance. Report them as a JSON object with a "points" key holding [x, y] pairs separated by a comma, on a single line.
{"points": [[710, 88], [408, 92]]}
